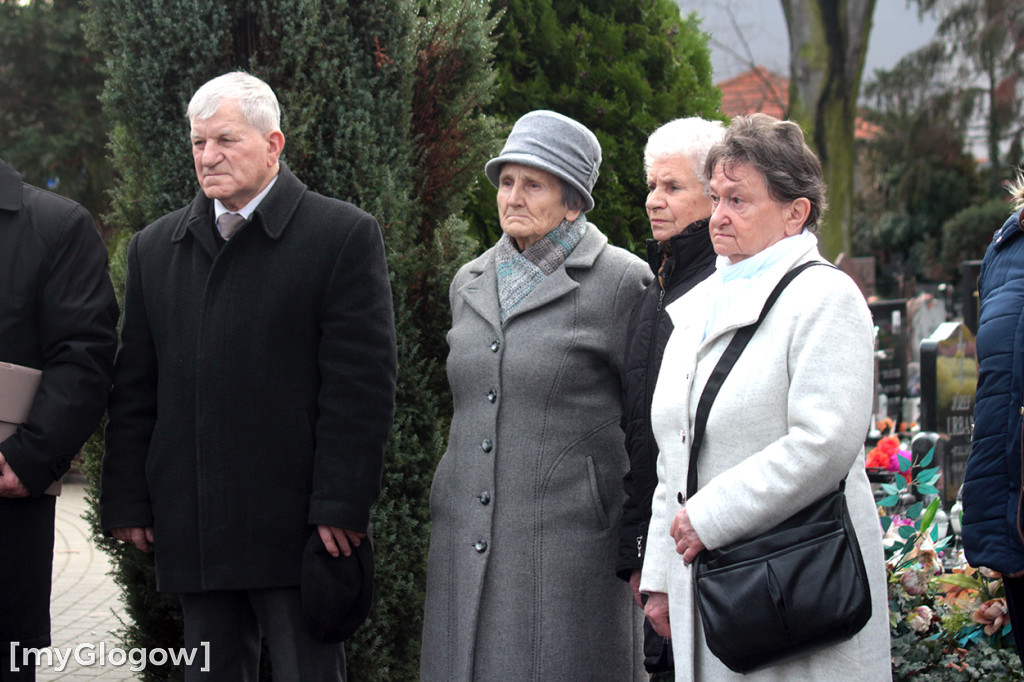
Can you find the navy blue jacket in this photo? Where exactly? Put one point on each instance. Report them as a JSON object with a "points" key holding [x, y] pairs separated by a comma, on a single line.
{"points": [[992, 521], [691, 259]]}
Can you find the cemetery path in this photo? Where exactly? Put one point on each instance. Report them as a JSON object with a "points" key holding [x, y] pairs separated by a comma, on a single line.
{"points": [[85, 605]]}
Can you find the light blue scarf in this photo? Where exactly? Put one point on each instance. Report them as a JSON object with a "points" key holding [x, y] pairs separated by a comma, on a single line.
{"points": [[736, 280]]}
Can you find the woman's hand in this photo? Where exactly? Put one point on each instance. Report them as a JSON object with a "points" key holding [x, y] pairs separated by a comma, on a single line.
{"points": [[634, 585], [657, 612], [687, 542]]}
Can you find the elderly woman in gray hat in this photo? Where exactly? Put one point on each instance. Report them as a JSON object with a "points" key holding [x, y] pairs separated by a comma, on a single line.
{"points": [[525, 503]]}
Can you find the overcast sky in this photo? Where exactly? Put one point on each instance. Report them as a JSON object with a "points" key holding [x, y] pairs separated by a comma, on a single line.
{"points": [[895, 31]]}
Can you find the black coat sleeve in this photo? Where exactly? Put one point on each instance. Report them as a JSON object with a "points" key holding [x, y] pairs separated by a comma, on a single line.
{"points": [[358, 367], [76, 325], [641, 479], [124, 497]]}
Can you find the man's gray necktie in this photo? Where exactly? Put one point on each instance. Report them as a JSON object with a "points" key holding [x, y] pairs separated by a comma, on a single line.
{"points": [[227, 223]]}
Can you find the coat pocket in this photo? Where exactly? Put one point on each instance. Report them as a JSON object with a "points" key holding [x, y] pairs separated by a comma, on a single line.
{"points": [[595, 493]]}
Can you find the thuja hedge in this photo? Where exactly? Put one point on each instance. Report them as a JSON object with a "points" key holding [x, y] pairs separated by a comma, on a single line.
{"points": [[364, 87]]}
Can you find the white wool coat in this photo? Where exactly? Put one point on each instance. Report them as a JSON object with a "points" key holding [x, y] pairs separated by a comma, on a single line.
{"points": [[787, 426]]}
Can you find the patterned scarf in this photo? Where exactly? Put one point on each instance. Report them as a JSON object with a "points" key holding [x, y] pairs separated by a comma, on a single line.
{"points": [[520, 273]]}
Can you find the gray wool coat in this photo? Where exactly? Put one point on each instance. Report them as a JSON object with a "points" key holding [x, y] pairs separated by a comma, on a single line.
{"points": [[525, 503]]}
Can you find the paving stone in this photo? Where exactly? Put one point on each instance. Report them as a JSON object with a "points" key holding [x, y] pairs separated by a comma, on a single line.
{"points": [[85, 606]]}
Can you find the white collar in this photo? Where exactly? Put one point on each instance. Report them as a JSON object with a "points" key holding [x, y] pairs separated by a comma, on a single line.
{"points": [[247, 210]]}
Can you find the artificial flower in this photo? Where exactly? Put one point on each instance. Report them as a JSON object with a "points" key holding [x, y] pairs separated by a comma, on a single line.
{"points": [[915, 583], [920, 619], [886, 454], [957, 596], [992, 614], [894, 461], [989, 573]]}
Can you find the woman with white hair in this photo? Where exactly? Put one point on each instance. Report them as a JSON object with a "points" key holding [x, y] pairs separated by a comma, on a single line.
{"points": [[680, 254], [787, 425]]}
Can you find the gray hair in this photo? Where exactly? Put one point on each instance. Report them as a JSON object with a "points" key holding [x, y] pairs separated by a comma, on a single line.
{"points": [[690, 137], [256, 100], [777, 150], [572, 199]]}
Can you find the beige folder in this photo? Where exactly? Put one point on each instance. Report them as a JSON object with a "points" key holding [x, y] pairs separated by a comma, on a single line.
{"points": [[17, 389]]}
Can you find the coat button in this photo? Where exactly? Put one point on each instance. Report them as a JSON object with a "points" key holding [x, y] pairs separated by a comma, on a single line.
{"points": [[495, 345], [487, 445], [480, 546], [485, 497], [680, 497], [492, 395]]}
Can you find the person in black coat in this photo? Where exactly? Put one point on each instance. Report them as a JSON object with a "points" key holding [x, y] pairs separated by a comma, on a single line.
{"points": [[58, 314], [681, 255], [253, 392]]}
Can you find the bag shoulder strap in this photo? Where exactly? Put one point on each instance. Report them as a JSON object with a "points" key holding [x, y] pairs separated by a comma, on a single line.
{"points": [[724, 366]]}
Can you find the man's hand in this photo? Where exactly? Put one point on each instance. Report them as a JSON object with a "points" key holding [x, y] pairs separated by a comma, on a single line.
{"points": [[687, 542], [657, 612], [140, 537], [10, 484], [342, 539]]}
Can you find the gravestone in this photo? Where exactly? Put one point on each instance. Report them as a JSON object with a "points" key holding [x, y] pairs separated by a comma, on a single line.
{"points": [[969, 271], [949, 379], [926, 313], [861, 270], [890, 319]]}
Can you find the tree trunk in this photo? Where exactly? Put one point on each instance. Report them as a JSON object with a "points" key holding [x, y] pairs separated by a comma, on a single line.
{"points": [[828, 41]]}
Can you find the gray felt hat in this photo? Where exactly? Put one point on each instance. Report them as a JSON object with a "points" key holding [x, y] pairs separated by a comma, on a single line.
{"points": [[556, 144]]}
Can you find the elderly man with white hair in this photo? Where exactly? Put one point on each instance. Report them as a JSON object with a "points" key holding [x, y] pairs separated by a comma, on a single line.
{"points": [[253, 392]]}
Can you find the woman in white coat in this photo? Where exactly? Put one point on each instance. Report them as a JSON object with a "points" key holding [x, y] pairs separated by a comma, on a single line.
{"points": [[790, 420]]}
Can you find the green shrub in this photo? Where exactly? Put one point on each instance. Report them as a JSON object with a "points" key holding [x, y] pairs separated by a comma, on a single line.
{"points": [[365, 87], [620, 67], [967, 234]]}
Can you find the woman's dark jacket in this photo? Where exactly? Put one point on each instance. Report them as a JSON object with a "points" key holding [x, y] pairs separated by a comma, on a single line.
{"points": [[690, 259], [992, 481]]}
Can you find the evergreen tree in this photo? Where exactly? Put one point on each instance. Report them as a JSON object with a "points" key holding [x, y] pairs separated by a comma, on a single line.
{"points": [[620, 67], [982, 44], [52, 129], [365, 86]]}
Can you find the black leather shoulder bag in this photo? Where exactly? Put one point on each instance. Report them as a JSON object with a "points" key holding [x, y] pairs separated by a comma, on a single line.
{"points": [[792, 590]]}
